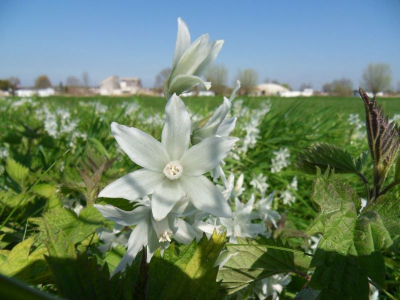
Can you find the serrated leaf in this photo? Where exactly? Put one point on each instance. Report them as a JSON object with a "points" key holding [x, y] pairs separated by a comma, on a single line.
{"points": [[80, 277], [16, 171], [383, 136], [325, 156], [76, 228], [23, 263], [189, 274], [349, 250], [253, 260]]}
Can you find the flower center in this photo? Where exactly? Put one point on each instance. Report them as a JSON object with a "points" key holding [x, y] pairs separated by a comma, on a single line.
{"points": [[173, 170], [165, 236]]}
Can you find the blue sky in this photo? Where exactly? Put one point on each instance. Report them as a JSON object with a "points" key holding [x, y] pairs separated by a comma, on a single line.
{"points": [[293, 41]]}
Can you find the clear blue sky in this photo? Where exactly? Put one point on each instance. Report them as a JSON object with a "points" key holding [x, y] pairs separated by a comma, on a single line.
{"points": [[298, 41]]}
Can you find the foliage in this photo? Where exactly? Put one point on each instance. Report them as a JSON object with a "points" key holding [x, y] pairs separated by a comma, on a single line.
{"points": [[42, 82], [254, 260], [351, 241], [377, 78], [188, 274]]}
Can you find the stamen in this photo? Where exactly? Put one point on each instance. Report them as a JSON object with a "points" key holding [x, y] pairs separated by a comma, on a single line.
{"points": [[173, 170]]}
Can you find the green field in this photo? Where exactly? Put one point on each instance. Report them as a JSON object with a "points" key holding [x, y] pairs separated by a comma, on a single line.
{"points": [[59, 152]]}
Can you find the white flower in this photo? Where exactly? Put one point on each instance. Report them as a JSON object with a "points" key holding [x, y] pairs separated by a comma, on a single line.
{"points": [[110, 239], [218, 124], [373, 292], [271, 286], [240, 224], [171, 170], [73, 204], [233, 190], [148, 231], [280, 160], [191, 60], [287, 196], [264, 208], [260, 183]]}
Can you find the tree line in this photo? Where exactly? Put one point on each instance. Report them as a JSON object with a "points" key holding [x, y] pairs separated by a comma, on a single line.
{"points": [[375, 78]]}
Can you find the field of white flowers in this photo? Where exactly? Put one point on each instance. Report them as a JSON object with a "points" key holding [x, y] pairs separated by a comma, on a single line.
{"points": [[235, 197]]}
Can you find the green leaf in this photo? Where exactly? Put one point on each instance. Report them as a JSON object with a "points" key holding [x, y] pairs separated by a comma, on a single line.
{"points": [[325, 156], [189, 274], [76, 228], [349, 250], [23, 263], [10, 288], [254, 260], [16, 171], [80, 277]]}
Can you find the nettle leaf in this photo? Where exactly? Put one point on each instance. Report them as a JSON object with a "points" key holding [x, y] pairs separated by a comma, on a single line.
{"points": [[24, 263], [383, 136], [252, 260], [80, 277], [325, 156], [349, 250], [16, 171], [187, 274], [76, 228]]}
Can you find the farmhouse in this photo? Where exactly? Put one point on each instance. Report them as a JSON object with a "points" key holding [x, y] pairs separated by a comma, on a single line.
{"points": [[269, 89], [120, 86]]}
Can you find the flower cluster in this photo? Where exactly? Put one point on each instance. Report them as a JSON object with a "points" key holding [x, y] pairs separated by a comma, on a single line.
{"points": [[171, 195]]}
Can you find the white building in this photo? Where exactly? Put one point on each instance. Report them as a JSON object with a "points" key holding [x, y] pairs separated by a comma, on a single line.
{"points": [[305, 93], [269, 89], [32, 92], [116, 86]]}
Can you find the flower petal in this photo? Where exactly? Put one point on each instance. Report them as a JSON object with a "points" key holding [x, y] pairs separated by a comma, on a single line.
{"points": [[216, 47], [182, 83], [183, 232], [133, 185], [182, 41], [137, 240], [192, 58], [226, 127], [176, 131], [142, 148], [206, 155], [122, 217], [212, 125], [205, 196], [165, 197]]}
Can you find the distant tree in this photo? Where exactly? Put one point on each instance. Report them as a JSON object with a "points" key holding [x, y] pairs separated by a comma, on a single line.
{"points": [[5, 85], [42, 82], [160, 79], [398, 86], [248, 80], [342, 87], [286, 85], [85, 79], [14, 83], [305, 86], [218, 76], [267, 80], [377, 78], [72, 82], [327, 88]]}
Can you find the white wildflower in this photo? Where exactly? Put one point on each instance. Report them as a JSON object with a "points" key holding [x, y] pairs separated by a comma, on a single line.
{"points": [[280, 160], [240, 224], [260, 183], [271, 286], [191, 60], [266, 213], [170, 169]]}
